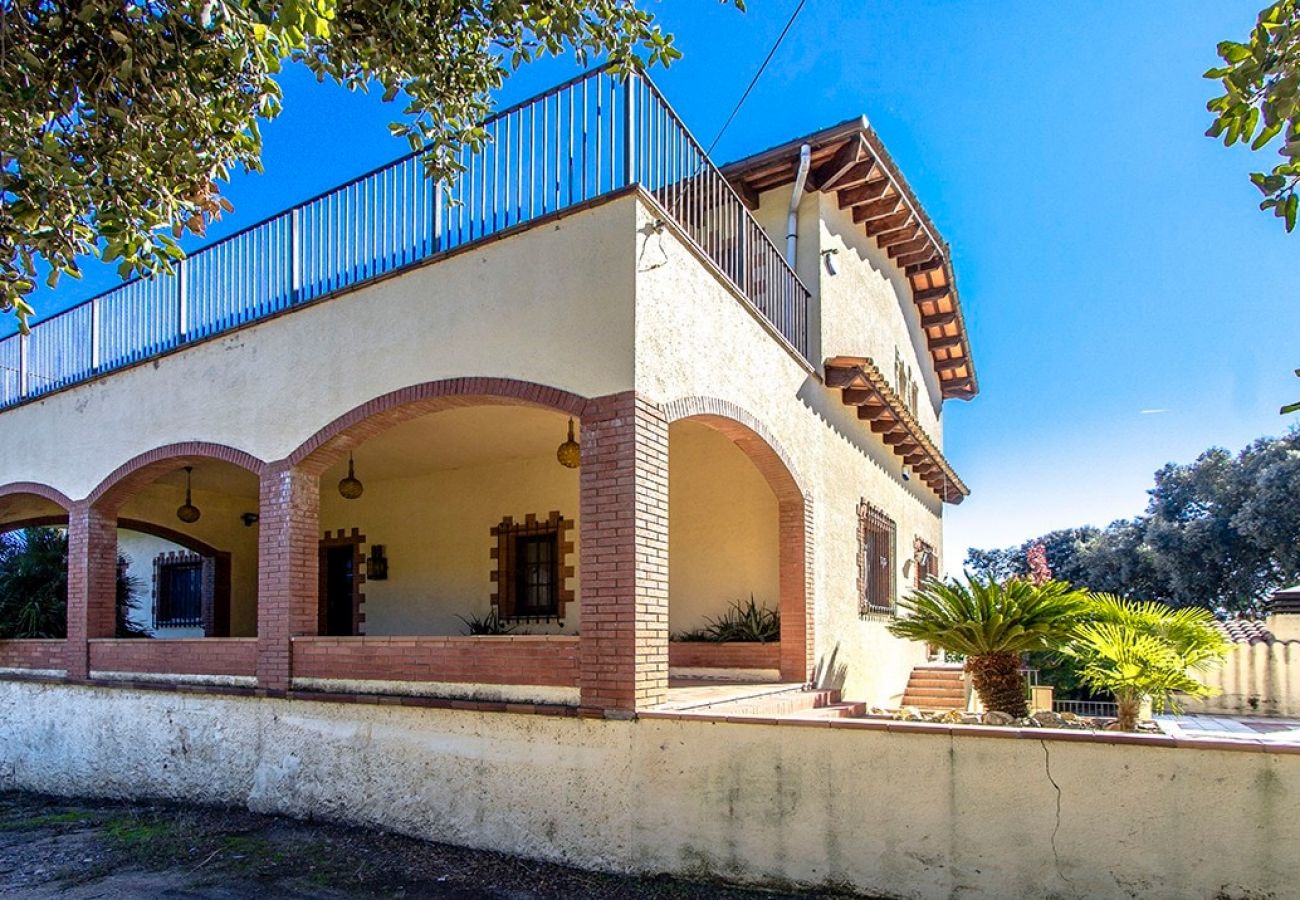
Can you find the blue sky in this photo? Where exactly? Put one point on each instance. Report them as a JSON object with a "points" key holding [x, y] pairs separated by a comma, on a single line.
{"points": [[1127, 303]]}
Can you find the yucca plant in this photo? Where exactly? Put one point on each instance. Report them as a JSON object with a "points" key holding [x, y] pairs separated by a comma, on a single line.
{"points": [[1143, 650], [991, 623]]}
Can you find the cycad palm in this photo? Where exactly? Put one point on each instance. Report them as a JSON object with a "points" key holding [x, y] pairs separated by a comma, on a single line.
{"points": [[992, 623], [1138, 650]]}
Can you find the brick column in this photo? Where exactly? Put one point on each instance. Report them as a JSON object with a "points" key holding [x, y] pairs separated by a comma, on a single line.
{"points": [[287, 570], [92, 584], [624, 555], [795, 585]]}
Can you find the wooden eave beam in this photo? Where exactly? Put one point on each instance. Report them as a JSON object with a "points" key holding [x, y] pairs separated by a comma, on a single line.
{"points": [[746, 193], [935, 262], [873, 192], [913, 259], [854, 396], [906, 233], [945, 318], [950, 365], [913, 246], [866, 210], [885, 224], [825, 176], [946, 342], [934, 293]]}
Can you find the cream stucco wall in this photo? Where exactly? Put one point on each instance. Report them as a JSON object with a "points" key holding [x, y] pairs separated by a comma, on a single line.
{"points": [[551, 305], [436, 531], [596, 302], [690, 334], [888, 813], [722, 529]]}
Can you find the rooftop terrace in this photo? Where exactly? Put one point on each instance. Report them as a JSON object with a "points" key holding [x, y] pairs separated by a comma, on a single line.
{"points": [[592, 137]]}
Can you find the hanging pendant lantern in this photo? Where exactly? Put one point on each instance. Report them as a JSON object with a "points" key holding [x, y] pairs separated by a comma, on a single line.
{"points": [[351, 488], [569, 453], [188, 512]]}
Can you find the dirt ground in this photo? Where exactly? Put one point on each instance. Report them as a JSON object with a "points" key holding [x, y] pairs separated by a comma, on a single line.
{"points": [[81, 849]]}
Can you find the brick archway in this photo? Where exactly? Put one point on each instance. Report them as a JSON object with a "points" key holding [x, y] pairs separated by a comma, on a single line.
{"points": [[35, 489], [331, 443], [139, 471], [15, 500], [794, 514]]}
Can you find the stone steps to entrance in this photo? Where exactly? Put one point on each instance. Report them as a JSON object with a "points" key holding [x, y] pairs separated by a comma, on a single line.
{"points": [[936, 688]]}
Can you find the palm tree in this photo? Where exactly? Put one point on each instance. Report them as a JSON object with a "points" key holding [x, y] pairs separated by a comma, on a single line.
{"points": [[1145, 651], [992, 623], [34, 586]]}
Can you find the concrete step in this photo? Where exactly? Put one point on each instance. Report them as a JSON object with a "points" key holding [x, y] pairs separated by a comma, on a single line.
{"points": [[782, 703]]}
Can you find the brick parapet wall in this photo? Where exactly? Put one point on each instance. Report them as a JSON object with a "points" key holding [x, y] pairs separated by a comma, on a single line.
{"points": [[524, 659], [182, 656], [34, 653], [624, 553], [728, 655]]}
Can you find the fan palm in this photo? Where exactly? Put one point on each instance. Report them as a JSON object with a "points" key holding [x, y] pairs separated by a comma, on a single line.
{"points": [[992, 623], [1145, 650]]}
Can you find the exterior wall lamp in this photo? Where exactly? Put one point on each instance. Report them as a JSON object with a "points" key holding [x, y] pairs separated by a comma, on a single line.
{"points": [[350, 488], [187, 512], [377, 563], [569, 453]]}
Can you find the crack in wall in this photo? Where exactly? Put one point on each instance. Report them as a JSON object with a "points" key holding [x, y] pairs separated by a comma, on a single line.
{"points": [[1056, 856]]}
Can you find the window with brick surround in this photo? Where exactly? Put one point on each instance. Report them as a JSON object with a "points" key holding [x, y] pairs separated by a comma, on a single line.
{"points": [[532, 570], [926, 561], [179, 591], [877, 536]]}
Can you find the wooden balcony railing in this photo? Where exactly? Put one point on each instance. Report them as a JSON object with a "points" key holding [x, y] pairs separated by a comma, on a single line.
{"points": [[585, 139]]}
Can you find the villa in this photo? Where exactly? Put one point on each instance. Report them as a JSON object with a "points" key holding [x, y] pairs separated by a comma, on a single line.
{"points": [[429, 490], [747, 369]]}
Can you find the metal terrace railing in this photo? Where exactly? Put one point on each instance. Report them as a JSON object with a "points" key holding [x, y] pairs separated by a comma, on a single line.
{"points": [[585, 139]]}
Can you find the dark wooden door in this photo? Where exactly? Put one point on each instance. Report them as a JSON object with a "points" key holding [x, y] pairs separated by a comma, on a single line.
{"points": [[338, 603]]}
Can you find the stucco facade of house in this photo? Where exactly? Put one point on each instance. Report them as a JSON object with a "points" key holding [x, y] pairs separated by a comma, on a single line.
{"points": [[742, 404]]}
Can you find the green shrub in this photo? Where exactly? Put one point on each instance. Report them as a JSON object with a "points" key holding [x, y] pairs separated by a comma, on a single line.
{"points": [[742, 622]]}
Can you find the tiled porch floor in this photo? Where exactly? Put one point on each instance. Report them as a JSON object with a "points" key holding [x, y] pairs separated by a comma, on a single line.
{"points": [[689, 693]]}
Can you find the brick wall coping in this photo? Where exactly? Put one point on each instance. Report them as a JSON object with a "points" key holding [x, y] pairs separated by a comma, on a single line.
{"points": [[1161, 741], [180, 642], [432, 638], [30, 642]]}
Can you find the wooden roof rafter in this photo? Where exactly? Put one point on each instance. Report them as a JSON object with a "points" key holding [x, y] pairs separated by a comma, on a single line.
{"points": [[861, 385], [850, 161]]}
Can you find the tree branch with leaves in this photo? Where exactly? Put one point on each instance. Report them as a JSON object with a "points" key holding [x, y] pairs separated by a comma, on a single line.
{"points": [[118, 121], [1260, 103]]}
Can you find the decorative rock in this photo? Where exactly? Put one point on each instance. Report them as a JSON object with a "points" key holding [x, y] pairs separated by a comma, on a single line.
{"points": [[970, 719], [996, 717], [1048, 719], [911, 714], [1068, 718]]}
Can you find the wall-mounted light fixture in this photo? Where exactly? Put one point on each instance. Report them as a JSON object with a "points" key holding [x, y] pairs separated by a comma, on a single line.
{"points": [[569, 453], [350, 488], [376, 564], [249, 519], [828, 257], [187, 512]]}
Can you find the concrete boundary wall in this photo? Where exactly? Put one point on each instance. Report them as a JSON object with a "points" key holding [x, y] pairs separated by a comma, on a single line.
{"points": [[897, 814]]}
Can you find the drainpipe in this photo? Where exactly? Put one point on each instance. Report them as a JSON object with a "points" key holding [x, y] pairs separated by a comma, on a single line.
{"points": [[792, 223]]}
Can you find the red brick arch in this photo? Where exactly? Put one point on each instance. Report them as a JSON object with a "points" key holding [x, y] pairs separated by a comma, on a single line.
{"points": [[32, 489], [331, 443], [135, 473], [794, 514]]}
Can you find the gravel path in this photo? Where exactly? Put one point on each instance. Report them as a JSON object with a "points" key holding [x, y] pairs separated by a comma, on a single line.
{"points": [[82, 849]]}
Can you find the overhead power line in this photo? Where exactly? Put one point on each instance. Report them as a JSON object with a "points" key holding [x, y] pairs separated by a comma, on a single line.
{"points": [[753, 81]]}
